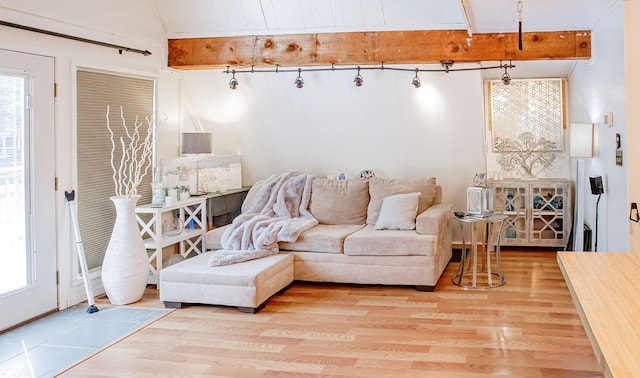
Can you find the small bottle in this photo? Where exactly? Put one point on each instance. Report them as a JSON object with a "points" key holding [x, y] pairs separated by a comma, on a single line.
{"points": [[158, 194], [509, 204], [184, 194], [172, 197]]}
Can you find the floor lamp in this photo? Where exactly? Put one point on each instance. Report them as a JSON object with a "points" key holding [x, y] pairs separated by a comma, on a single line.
{"points": [[581, 146], [196, 144]]}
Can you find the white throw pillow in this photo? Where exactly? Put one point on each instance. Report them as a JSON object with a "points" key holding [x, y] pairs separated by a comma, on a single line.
{"points": [[380, 188], [398, 212]]}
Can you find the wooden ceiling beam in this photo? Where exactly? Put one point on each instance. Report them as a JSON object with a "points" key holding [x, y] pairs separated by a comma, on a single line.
{"points": [[362, 48]]}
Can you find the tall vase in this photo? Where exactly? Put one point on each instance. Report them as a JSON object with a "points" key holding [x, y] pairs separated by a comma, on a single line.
{"points": [[125, 268]]}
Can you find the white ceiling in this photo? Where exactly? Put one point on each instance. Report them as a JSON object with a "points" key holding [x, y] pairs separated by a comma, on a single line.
{"points": [[217, 18], [224, 18]]}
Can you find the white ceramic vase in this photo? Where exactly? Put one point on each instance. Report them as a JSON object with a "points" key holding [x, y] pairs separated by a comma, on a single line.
{"points": [[125, 268]]}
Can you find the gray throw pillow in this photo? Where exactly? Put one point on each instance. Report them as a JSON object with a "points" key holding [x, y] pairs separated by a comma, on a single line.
{"points": [[339, 202]]}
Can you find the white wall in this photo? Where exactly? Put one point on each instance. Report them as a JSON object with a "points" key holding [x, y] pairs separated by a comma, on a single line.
{"points": [[133, 24], [632, 78], [331, 126], [597, 87], [327, 127]]}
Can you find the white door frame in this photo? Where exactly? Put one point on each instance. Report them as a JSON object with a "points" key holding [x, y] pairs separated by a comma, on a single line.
{"points": [[42, 294]]}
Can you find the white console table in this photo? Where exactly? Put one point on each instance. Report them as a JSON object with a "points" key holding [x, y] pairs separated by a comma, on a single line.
{"points": [[193, 215]]}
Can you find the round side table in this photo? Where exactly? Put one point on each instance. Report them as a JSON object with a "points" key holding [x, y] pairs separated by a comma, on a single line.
{"points": [[493, 225]]}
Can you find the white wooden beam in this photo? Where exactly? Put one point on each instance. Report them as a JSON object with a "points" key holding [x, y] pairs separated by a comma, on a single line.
{"points": [[465, 8]]}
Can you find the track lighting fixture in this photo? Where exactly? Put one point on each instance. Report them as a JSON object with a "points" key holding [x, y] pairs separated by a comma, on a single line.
{"points": [[358, 79], [506, 78], [416, 80], [299, 82], [233, 83], [447, 66]]}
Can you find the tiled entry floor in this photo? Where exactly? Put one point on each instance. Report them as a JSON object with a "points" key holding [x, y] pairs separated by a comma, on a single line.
{"points": [[55, 342]]}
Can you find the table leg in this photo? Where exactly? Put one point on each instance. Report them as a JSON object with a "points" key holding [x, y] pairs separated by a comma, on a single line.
{"points": [[474, 257], [498, 263], [463, 259], [488, 251], [209, 218]]}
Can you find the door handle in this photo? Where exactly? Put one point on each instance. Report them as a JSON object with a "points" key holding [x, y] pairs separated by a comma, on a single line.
{"points": [[633, 213]]}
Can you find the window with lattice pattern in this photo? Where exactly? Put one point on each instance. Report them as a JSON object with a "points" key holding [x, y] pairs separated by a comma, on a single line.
{"points": [[531, 106]]}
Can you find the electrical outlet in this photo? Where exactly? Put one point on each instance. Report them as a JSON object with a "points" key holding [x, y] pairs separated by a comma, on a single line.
{"points": [[608, 119]]}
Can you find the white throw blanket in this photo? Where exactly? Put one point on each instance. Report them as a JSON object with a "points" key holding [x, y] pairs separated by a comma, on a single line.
{"points": [[274, 210]]}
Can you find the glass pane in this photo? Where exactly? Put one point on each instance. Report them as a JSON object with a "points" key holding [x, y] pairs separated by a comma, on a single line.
{"points": [[13, 244]]}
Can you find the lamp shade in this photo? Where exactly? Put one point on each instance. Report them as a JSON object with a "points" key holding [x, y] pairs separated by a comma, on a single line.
{"points": [[581, 140], [196, 143]]}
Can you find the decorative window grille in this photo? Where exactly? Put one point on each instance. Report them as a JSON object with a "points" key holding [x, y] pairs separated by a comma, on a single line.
{"points": [[533, 106]]}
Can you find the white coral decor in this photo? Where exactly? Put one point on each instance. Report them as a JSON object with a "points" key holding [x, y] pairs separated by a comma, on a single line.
{"points": [[136, 156], [125, 267], [525, 154]]}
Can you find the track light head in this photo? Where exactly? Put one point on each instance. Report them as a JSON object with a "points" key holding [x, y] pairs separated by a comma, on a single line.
{"points": [[416, 80], [233, 83], [446, 64], [506, 78], [358, 79], [299, 82]]}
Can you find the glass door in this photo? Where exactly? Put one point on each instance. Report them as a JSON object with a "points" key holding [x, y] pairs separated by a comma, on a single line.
{"points": [[27, 193]]}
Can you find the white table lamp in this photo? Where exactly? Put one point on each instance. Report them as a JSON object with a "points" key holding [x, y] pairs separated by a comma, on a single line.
{"points": [[196, 144]]}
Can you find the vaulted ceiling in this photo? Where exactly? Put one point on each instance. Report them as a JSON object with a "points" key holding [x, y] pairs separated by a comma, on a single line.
{"points": [[224, 18], [237, 18]]}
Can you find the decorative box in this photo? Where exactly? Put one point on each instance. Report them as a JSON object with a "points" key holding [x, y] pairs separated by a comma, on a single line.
{"points": [[480, 200]]}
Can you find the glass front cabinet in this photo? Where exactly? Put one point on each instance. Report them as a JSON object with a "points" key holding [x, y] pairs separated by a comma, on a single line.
{"points": [[539, 211]]}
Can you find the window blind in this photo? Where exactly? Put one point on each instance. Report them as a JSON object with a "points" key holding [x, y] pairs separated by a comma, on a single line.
{"points": [[96, 90]]}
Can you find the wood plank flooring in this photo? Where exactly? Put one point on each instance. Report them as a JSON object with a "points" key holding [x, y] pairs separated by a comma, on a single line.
{"points": [[526, 328]]}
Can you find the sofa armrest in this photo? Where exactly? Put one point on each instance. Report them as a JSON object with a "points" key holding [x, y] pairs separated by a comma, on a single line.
{"points": [[432, 220]]}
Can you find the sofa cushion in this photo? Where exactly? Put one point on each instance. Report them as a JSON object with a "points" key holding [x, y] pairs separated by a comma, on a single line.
{"points": [[322, 238], [380, 188], [339, 202], [213, 238], [398, 212], [371, 242]]}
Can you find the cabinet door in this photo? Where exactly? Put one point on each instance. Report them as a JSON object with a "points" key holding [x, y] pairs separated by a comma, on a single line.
{"points": [[547, 226], [225, 208], [511, 200]]}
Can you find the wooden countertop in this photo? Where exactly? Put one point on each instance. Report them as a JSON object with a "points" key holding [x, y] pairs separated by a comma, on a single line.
{"points": [[605, 287]]}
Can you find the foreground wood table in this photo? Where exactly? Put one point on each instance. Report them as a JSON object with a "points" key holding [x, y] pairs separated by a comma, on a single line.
{"points": [[605, 287]]}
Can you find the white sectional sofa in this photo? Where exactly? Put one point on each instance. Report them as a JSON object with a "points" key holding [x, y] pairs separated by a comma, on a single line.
{"points": [[376, 231]]}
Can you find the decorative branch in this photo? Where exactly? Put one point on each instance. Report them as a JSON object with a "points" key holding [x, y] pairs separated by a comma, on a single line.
{"points": [[526, 153], [136, 156]]}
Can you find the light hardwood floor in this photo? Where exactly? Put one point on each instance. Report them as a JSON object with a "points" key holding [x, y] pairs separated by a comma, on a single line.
{"points": [[526, 328]]}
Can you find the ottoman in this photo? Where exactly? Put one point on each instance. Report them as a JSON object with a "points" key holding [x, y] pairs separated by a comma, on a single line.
{"points": [[246, 285]]}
